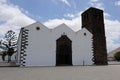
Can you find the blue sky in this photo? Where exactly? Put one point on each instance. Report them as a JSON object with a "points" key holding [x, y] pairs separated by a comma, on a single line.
{"points": [[42, 10], [15, 14]]}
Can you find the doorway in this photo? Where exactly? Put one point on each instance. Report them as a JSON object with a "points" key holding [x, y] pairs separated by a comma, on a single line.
{"points": [[63, 51]]}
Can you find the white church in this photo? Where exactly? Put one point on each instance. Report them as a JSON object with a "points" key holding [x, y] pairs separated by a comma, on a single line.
{"points": [[40, 46]]}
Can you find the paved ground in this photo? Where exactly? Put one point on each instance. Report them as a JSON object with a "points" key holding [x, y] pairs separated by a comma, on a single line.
{"points": [[5, 63], [111, 72]]}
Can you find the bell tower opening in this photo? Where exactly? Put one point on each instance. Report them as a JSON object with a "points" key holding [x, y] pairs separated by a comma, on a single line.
{"points": [[63, 51]]}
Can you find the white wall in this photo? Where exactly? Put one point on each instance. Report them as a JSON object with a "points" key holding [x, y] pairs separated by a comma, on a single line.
{"points": [[41, 50], [18, 48], [82, 51]]}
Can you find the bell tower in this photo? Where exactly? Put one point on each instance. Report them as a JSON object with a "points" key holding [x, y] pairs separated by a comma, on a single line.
{"points": [[93, 21]]}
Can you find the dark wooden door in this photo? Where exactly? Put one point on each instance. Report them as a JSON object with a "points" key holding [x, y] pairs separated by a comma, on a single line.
{"points": [[63, 51]]}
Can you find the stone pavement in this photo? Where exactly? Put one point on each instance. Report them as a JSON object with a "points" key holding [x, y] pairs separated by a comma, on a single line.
{"points": [[110, 72]]}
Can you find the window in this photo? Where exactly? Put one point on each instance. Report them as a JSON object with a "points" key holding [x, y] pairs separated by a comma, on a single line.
{"points": [[37, 28], [85, 34]]}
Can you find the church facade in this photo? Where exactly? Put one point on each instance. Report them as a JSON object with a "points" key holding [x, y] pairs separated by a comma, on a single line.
{"points": [[41, 46]]}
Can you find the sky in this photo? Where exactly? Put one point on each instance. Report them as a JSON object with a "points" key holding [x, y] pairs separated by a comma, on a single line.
{"points": [[15, 14]]}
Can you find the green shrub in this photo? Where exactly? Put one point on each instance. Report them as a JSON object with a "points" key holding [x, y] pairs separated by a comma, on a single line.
{"points": [[117, 56]]}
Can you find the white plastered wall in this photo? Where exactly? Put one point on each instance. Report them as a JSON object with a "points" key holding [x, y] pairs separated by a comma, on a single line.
{"points": [[41, 50]]}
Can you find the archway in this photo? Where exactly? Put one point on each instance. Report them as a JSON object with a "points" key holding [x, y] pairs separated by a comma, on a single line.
{"points": [[63, 51]]}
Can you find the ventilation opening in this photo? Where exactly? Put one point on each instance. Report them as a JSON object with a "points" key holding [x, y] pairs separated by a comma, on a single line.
{"points": [[37, 28]]}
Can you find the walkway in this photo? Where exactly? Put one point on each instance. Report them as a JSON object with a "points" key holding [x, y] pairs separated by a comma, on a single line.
{"points": [[110, 72]]}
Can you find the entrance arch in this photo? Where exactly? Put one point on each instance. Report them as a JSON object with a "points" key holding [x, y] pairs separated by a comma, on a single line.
{"points": [[63, 51]]}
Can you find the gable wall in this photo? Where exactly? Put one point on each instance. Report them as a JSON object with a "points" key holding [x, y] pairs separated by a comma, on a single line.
{"points": [[41, 50]]}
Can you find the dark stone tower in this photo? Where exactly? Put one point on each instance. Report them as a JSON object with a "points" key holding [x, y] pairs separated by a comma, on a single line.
{"points": [[92, 19]]}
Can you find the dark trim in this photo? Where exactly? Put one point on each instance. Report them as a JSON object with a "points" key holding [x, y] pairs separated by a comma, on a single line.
{"points": [[24, 44]]}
